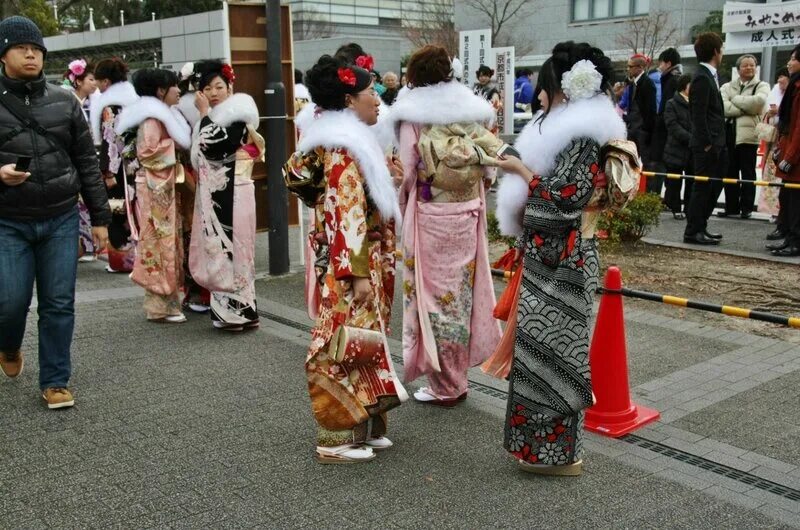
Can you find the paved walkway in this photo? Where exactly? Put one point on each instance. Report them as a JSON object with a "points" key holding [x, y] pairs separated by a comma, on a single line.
{"points": [[744, 238], [185, 427]]}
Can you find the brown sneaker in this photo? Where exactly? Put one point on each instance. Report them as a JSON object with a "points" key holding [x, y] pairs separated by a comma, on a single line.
{"points": [[58, 398], [12, 363]]}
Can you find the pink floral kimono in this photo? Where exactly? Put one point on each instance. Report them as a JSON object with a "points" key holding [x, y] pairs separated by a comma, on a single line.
{"points": [[158, 232], [448, 324]]}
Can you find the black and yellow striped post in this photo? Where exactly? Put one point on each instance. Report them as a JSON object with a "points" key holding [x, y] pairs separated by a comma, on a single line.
{"points": [[793, 322], [700, 178], [499, 273]]}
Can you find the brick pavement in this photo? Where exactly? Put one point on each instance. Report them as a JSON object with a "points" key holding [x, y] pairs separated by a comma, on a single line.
{"points": [[184, 427]]}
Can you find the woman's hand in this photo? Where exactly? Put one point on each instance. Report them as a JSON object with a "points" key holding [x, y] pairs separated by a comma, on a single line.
{"points": [[395, 170], [512, 164], [110, 179], [201, 103], [362, 289]]}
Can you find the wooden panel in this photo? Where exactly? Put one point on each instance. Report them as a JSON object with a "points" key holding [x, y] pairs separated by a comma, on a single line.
{"points": [[248, 45]]}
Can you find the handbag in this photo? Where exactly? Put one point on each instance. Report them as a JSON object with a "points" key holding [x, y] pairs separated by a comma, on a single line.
{"points": [[354, 346], [765, 131], [506, 302]]}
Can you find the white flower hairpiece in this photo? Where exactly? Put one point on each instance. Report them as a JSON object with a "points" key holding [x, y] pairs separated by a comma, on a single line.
{"points": [[187, 70], [583, 81]]}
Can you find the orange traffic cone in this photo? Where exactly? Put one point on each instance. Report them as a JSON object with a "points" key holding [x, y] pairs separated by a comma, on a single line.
{"points": [[613, 413]]}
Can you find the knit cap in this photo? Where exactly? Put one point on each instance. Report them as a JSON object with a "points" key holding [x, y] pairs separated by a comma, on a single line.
{"points": [[19, 30]]}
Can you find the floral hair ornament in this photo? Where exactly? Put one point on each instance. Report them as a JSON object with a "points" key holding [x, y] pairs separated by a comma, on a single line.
{"points": [[187, 71], [228, 74], [583, 81], [366, 62], [347, 76], [76, 69]]}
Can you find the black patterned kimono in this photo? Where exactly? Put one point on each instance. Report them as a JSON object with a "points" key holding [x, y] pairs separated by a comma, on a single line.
{"points": [[550, 384], [219, 146]]}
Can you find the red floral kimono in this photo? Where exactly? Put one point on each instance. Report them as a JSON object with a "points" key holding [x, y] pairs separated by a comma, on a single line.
{"points": [[349, 403]]}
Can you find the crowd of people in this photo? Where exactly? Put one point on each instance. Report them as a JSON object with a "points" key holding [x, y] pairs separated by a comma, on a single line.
{"points": [[152, 170], [700, 125], [394, 187]]}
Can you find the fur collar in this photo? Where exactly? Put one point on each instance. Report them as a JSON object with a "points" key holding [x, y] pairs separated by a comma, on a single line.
{"points": [[441, 104], [238, 107], [593, 118], [188, 110], [149, 107], [383, 130], [119, 94], [342, 129]]}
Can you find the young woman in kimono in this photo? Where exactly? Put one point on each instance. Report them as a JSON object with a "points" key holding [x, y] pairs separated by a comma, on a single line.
{"points": [[196, 298], [543, 200], [445, 150], [351, 53], [79, 79], [225, 146], [115, 94], [160, 131], [358, 212]]}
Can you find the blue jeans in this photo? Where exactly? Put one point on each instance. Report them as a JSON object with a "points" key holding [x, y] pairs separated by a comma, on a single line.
{"points": [[44, 250]]}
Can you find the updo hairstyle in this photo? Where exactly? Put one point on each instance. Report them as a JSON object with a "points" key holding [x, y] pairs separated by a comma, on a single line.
{"points": [[147, 81], [428, 66], [564, 57], [113, 69]]}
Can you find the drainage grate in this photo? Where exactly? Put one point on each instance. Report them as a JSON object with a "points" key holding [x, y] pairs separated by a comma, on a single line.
{"points": [[725, 471], [676, 454]]}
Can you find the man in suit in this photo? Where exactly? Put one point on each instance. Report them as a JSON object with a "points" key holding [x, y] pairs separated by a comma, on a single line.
{"points": [[708, 139], [641, 116]]}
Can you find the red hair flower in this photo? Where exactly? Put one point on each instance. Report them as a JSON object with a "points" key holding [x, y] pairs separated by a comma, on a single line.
{"points": [[347, 76], [227, 73], [366, 62]]}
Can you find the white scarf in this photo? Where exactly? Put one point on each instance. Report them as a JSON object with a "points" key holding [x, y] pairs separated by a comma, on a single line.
{"points": [[540, 142], [119, 94], [342, 129], [149, 107]]}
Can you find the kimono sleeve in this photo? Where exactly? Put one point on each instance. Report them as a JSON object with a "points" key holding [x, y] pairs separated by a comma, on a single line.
{"points": [[106, 128], [346, 221], [155, 150], [218, 142], [563, 195]]}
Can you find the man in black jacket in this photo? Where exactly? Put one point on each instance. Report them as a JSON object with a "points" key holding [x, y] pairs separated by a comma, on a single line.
{"points": [[670, 68], [641, 116], [708, 139], [41, 128]]}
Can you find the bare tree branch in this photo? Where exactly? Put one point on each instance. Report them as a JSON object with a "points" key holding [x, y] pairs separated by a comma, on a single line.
{"points": [[648, 35], [499, 13], [434, 24], [310, 24]]}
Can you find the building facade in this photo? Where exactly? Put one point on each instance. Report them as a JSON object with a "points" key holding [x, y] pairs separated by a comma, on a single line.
{"points": [[599, 22]]}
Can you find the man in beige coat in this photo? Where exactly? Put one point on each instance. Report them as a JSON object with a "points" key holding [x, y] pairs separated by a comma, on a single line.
{"points": [[744, 100]]}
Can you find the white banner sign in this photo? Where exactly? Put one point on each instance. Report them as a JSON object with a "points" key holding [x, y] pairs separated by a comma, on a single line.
{"points": [[748, 17], [474, 48], [503, 66], [761, 25]]}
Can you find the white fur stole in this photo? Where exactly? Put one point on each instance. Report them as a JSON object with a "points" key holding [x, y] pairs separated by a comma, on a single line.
{"points": [[119, 94], [149, 107], [342, 129], [540, 142], [441, 104]]}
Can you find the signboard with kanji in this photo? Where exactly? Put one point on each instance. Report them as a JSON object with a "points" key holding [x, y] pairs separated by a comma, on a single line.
{"points": [[474, 47], [503, 66], [761, 25]]}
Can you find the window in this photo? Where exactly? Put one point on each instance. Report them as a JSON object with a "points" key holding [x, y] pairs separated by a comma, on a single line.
{"points": [[583, 10]]}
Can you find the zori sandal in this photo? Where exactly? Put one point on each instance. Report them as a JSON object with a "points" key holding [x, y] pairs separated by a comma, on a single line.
{"points": [[380, 443], [344, 454], [569, 470]]}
